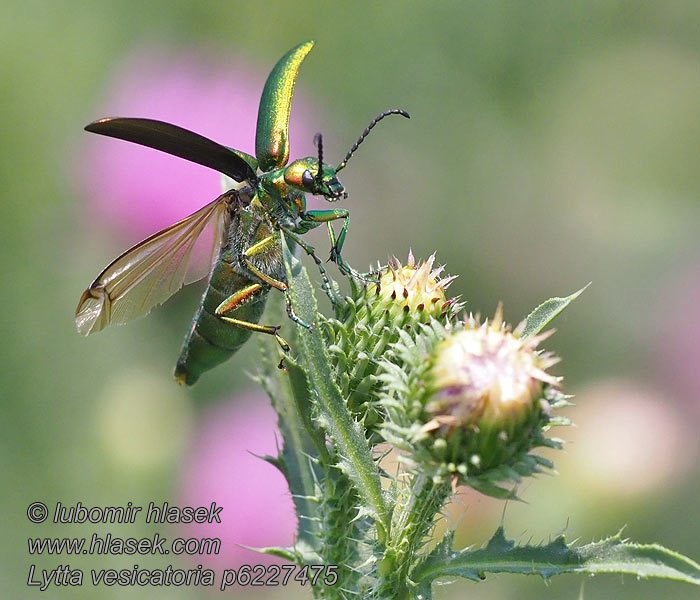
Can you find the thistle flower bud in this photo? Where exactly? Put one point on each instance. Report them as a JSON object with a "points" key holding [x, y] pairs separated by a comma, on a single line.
{"points": [[415, 290], [472, 402], [402, 298], [485, 376]]}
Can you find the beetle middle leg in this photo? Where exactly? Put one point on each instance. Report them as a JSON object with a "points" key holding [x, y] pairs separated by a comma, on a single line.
{"points": [[258, 248], [310, 250], [315, 217], [242, 297]]}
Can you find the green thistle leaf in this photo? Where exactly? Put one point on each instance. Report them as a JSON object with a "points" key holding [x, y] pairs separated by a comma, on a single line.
{"points": [[539, 318], [500, 555], [355, 451], [302, 441], [299, 554]]}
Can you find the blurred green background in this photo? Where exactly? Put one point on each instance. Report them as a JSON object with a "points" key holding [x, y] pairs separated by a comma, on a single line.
{"points": [[551, 144]]}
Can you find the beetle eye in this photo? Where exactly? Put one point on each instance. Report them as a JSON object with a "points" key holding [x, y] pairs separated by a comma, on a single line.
{"points": [[307, 179]]}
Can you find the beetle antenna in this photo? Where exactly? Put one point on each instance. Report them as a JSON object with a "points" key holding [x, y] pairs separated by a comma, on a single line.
{"points": [[365, 133], [318, 142]]}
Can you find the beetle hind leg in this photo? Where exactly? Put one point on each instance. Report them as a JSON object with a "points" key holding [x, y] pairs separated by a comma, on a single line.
{"points": [[240, 298]]}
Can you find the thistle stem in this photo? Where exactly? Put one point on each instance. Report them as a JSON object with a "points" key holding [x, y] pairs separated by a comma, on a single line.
{"points": [[414, 517]]}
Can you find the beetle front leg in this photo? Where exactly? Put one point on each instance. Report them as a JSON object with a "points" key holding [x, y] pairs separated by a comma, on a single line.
{"points": [[328, 216]]}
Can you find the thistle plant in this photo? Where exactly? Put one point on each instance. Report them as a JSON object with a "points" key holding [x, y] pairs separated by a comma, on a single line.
{"points": [[460, 401]]}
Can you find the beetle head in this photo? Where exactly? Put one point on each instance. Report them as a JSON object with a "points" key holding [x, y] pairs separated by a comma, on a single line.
{"points": [[305, 175], [312, 176]]}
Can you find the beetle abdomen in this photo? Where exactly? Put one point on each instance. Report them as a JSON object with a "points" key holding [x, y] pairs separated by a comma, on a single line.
{"points": [[211, 340]]}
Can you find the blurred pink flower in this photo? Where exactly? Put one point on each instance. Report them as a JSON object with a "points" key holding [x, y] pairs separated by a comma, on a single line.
{"points": [[136, 191], [257, 508], [629, 441], [678, 334]]}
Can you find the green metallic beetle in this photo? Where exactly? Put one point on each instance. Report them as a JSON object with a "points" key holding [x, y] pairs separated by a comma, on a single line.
{"points": [[247, 221]]}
